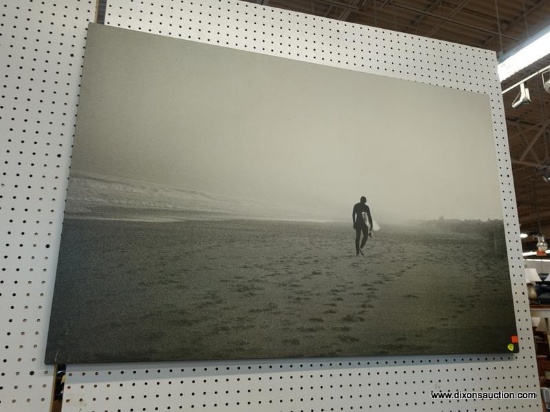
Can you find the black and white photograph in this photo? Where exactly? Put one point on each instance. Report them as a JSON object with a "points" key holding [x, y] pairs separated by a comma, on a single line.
{"points": [[224, 204]]}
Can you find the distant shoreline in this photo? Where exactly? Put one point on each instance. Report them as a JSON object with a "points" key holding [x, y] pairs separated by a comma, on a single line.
{"points": [[205, 217], [175, 216]]}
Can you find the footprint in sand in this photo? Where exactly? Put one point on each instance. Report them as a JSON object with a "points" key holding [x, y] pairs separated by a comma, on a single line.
{"points": [[299, 299], [348, 339], [353, 318], [311, 329], [341, 328]]}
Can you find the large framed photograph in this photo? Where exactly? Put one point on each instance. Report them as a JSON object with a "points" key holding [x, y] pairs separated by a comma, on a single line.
{"points": [[224, 204]]}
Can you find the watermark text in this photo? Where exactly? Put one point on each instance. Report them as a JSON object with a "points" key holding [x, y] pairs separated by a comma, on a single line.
{"points": [[483, 395]]}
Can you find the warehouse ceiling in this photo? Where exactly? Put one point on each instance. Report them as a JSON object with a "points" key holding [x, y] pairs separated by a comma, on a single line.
{"points": [[498, 25]]}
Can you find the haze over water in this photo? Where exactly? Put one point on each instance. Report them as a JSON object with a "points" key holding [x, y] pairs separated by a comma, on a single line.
{"points": [[300, 136]]}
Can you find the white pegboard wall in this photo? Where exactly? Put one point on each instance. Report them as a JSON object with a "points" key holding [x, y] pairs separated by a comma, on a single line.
{"points": [[42, 47], [42, 50], [352, 384], [246, 26]]}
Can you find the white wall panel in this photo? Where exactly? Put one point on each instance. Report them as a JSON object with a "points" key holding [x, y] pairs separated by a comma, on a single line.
{"points": [[42, 46]]}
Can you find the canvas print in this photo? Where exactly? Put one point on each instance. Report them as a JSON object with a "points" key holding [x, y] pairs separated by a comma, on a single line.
{"points": [[224, 204]]}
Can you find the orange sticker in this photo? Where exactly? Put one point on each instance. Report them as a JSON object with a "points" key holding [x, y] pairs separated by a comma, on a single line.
{"points": [[514, 339]]}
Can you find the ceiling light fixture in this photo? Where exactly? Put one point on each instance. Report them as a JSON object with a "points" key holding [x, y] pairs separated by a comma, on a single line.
{"points": [[528, 52], [544, 71], [546, 80], [522, 98]]}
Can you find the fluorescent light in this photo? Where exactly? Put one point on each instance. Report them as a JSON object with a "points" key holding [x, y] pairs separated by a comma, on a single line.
{"points": [[523, 235], [533, 49]]}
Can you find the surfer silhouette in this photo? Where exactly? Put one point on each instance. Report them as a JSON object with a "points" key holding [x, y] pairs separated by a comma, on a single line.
{"points": [[361, 213]]}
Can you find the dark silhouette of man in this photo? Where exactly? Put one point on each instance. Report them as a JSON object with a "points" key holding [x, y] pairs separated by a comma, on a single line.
{"points": [[360, 211]]}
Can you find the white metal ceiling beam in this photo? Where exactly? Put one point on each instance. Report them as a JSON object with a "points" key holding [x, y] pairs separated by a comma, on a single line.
{"points": [[421, 12], [419, 19], [347, 11], [451, 14], [522, 16], [524, 163], [534, 140]]}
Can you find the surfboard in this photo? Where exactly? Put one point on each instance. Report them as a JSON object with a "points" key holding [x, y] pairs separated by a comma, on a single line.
{"points": [[375, 226]]}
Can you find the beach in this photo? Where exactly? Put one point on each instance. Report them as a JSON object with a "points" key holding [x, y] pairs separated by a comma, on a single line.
{"points": [[131, 290]]}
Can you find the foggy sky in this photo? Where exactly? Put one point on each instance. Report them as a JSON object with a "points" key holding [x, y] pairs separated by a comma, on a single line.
{"points": [[299, 135]]}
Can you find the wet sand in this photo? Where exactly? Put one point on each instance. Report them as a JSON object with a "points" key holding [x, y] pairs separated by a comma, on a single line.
{"points": [[237, 289]]}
